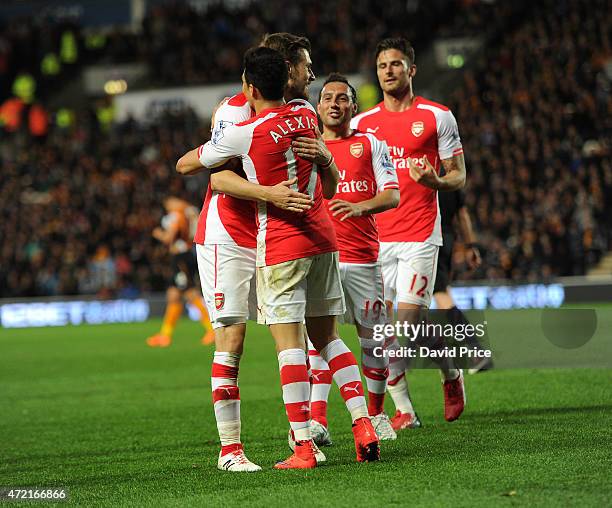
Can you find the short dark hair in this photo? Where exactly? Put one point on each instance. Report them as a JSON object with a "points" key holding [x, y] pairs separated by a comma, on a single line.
{"points": [[398, 43], [288, 45], [266, 70], [336, 77]]}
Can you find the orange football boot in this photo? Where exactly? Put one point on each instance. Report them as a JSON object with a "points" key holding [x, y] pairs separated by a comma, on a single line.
{"points": [[366, 441], [302, 458], [159, 340]]}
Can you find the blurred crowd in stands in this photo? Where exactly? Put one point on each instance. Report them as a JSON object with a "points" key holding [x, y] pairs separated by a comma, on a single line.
{"points": [[536, 119], [341, 31], [79, 207], [79, 198]]}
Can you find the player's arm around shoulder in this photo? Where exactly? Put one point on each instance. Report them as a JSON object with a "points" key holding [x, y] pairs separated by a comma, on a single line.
{"points": [[232, 142], [280, 195], [189, 164]]}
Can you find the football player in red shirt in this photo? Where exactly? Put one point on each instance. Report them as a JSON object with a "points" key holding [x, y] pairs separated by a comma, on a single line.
{"points": [[297, 259], [368, 185], [226, 248], [422, 136]]}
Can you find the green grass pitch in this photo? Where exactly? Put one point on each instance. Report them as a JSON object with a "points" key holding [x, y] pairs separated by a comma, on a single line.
{"points": [[94, 410]]}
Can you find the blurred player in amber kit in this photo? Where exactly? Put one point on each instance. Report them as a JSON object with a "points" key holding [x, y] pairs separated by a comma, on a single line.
{"points": [[176, 233], [297, 264], [367, 185], [422, 135]]}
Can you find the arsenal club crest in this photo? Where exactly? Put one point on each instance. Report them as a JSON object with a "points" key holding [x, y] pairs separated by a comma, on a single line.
{"points": [[356, 150], [417, 128], [219, 300]]}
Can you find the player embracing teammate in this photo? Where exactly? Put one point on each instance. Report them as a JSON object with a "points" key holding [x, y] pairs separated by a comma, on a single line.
{"points": [[226, 246], [298, 275]]}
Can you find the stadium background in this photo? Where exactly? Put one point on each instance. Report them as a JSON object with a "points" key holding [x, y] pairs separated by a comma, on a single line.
{"points": [[98, 99]]}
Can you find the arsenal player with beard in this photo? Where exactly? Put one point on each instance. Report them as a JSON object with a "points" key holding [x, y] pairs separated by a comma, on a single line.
{"points": [[422, 136], [297, 265], [226, 245]]}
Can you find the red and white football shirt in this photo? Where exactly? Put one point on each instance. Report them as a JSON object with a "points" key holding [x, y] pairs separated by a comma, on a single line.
{"points": [[225, 220], [264, 143], [425, 129], [365, 169]]}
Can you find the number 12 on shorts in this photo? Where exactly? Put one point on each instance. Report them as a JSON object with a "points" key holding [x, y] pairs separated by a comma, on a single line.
{"points": [[418, 288]]}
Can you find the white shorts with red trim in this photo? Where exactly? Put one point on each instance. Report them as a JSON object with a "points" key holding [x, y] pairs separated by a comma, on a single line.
{"points": [[409, 271], [364, 294], [291, 291], [227, 273]]}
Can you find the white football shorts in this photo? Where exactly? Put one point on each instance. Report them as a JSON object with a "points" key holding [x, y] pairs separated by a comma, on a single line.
{"points": [[307, 287], [409, 271], [227, 273], [364, 294]]}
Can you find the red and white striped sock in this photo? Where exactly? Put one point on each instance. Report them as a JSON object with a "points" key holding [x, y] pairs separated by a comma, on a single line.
{"points": [[321, 383], [376, 371], [397, 384], [226, 400], [296, 391], [346, 374]]}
